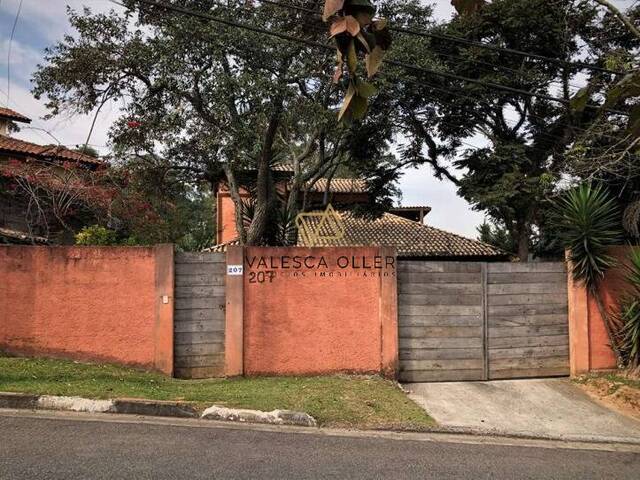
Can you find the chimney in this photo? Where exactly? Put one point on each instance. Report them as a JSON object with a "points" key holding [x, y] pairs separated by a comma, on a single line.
{"points": [[7, 117]]}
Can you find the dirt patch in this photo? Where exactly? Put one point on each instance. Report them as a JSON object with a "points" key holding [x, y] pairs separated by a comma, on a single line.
{"points": [[616, 394]]}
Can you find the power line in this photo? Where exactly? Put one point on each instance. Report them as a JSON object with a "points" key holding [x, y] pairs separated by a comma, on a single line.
{"points": [[13, 31], [315, 44]]}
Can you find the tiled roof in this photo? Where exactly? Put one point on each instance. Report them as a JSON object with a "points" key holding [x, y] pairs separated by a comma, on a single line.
{"points": [[412, 207], [412, 239], [340, 185], [21, 237], [13, 115], [13, 145]]}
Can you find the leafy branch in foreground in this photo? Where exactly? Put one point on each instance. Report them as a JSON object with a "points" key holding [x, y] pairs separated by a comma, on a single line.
{"points": [[356, 32]]}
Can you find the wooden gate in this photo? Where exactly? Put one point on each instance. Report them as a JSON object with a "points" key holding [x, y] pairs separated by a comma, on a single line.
{"points": [[199, 317], [481, 321]]}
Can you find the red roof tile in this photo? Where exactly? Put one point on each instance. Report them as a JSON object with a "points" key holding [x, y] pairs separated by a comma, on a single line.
{"points": [[13, 145], [13, 115]]}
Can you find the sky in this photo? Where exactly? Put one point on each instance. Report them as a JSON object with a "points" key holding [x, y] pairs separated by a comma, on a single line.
{"points": [[43, 22]]}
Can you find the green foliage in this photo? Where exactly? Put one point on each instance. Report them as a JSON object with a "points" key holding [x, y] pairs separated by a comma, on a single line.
{"points": [[588, 221], [629, 315], [96, 235], [498, 236]]}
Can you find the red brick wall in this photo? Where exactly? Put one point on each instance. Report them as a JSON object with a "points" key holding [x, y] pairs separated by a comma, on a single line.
{"points": [[312, 319], [88, 303]]}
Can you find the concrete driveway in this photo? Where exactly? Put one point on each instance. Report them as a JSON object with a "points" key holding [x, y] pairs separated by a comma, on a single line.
{"points": [[553, 408]]}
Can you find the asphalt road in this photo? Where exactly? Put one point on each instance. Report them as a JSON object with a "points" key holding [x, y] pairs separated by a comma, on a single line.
{"points": [[40, 447]]}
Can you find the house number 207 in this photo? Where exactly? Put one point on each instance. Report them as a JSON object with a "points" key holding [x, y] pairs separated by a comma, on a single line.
{"points": [[262, 276]]}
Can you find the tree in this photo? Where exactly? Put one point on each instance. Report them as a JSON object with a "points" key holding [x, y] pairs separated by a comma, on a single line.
{"points": [[525, 137], [218, 101], [497, 236]]}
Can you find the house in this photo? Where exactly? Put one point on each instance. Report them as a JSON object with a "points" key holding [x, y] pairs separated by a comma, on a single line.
{"points": [[36, 183], [401, 227]]}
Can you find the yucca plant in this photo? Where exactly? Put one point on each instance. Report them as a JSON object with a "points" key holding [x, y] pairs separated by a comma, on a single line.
{"points": [[588, 221], [629, 315]]}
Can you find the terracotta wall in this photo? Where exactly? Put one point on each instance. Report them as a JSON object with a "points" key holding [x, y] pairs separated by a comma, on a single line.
{"points": [[320, 310], [111, 304], [589, 342]]}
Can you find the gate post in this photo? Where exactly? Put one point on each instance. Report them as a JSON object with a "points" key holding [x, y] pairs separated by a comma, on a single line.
{"points": [[234, 313]]}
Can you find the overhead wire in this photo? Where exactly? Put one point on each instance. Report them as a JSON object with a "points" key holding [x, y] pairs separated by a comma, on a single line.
{"points": [[13, 31]]}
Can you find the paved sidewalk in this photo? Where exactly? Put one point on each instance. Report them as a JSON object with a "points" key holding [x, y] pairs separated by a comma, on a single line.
{"points": [[551, 408]]}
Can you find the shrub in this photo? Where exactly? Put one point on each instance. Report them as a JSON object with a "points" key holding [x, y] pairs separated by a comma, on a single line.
{"points": [[629, 315], [96, 235]]}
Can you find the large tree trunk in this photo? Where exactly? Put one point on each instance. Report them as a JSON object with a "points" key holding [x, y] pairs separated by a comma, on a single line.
{"points": [[264, 200]]}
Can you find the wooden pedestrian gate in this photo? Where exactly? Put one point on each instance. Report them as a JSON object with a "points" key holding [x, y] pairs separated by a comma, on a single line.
{"points": [[199, 316], [481, 321]]}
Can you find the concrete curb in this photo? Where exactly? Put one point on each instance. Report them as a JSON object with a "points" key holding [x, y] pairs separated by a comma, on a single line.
{"points": [[155, 408]]}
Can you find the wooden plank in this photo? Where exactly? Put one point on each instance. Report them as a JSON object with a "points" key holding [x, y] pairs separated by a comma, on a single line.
{"points": [[525, 320], [200, 361], [440, 321], [199, 372], [439, 277], [195, 280], [216, 303], [439, 310], [200, 257], [529, 372], [439, 353], [438, 267], [520, 288], [502, 310], [199, 291], [535, 352], [529, 299], [435, 299], [443, 342], [534, 330], [198, 349], [440, 332], [440, 288], [200, 268], [558, 278], [440, 376], [485, 322], [440, 364], [191, 338], [199, 326], [537, 341], [531, 362], [194, 315], [530, 267]]}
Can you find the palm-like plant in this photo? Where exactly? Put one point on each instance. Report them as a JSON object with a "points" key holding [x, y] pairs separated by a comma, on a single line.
{"points": [[629, 316], [588, 220]]}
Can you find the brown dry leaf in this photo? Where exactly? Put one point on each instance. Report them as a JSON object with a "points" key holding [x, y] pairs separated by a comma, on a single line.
{"points": [[351, 91], [331, 7], [352, 58], [374, 60], [364, 42]]}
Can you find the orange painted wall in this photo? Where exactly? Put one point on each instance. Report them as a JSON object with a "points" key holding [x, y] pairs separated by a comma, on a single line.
{"points": [[590, 346], [317, 320], [88, 303]]}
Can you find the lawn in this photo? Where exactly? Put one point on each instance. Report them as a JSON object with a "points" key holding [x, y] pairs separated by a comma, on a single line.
{"points": [[335, 401]]}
